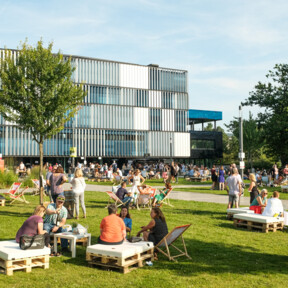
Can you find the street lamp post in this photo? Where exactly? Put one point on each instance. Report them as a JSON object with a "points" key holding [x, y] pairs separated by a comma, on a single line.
{"points": [[241, 154], [171, 149]]}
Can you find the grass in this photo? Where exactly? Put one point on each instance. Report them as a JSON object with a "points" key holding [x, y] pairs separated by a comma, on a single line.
{"points": [[222, 256]]}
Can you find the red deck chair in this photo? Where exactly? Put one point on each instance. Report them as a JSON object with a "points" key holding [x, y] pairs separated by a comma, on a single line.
{"points": [[12, 193], [169, 239], [113, 199]]}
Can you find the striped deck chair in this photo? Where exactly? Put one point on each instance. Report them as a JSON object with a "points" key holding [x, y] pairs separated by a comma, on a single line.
{"points": [[169, 239], [113, 199], [14, 195]]}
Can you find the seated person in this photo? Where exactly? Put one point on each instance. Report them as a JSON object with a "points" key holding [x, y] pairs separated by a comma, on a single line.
{"points": [[122, 192], [259, 201], [151, 174], [274, 206], [158, 176], [112, 228], [34, 226], [144, 173], [125, 216], [56, 215], [159, 197], [110, 173], [144, 189], [191, 172], [196, 173], [156, 229]]}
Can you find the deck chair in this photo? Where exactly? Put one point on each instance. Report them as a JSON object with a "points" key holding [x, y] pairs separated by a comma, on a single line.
{"points": [[169, 239], [12, 193], [36, 183], [145, 200], [165, 200], [113, 199]]}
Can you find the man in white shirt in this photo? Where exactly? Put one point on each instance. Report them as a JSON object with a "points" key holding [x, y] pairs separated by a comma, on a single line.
{"points": [[119, 172], [274, 206]]}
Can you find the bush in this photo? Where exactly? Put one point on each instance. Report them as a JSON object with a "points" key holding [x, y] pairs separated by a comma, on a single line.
{"points": [[28, 182], [7, 179]]}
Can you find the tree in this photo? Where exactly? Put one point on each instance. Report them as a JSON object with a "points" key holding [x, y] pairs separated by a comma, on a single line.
{"points": [[37, 92], [252, 137], [273, 97]]}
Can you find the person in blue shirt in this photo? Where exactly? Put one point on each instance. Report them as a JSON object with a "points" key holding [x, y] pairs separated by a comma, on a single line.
{"points": [[124, 214]]}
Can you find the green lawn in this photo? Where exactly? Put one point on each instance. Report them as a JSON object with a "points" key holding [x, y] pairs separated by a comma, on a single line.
{"points": [[206, 190], [222, 256]]}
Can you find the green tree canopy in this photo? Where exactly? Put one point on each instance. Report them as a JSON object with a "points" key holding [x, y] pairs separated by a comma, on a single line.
{"points": [[273, 97], [37, 92]]}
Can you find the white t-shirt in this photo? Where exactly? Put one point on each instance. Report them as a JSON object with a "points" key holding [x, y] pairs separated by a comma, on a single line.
{"points": [[274, 206]]}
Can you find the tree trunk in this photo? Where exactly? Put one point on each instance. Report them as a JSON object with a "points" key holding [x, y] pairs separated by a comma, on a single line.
{"points": [[41, 171]]}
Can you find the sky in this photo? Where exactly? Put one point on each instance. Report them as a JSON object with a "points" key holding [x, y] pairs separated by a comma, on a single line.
{"points": [[226, 46]]}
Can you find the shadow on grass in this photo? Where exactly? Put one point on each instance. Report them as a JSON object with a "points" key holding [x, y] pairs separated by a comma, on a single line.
{"points": [[199, 212], [220, 258], [10, 213]]}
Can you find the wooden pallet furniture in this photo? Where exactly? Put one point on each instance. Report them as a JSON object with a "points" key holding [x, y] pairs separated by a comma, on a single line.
{"points": [[2, 200], [233, 211], [124, 258], [284, 189], [258, 222], [12, 258]]}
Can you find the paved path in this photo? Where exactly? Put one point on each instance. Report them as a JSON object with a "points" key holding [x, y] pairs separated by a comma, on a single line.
{"points": [[176, 195]]}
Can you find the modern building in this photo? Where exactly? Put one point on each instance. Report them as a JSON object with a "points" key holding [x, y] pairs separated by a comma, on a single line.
{"points": [[130, 111], [206, 146]]}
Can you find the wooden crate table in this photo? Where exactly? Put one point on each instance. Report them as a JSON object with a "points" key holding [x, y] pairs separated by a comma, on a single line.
{"points": [[125, 257], [13, 258], [257, 221], [2, 200], [284, 189], [232, 211], [73, 239]]}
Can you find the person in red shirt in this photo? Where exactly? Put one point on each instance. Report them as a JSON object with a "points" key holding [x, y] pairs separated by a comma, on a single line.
{"points": [[112, 228]]}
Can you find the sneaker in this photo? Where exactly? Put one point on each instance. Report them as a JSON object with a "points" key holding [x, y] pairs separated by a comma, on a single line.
{"points": [[149, 263]]}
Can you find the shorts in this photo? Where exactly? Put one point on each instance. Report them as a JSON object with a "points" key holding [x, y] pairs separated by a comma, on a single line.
{"points": [[233, 198]]}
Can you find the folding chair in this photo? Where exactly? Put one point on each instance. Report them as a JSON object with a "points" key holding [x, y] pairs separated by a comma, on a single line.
{"points": [[12, 193], [170, 238], [115, 199], [165, 200], [145, 199]]}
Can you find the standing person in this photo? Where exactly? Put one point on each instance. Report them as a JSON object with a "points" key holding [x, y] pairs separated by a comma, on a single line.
{"points": [[34, 226], [157, 228], [214, 177], [221, 178], [114, 166], [253, 187], [136, 182], [78, 188], [276, 171], [112, 228], [56, 215], [51, 170], [172, 172], [177, 171], [234, 185], [56, 182]]}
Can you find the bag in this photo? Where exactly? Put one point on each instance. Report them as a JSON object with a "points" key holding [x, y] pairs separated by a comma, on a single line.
{"points": [[32, 242], [134, 239]]}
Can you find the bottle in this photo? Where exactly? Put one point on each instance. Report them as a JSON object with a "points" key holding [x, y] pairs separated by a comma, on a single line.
{"points": [[58, 220]]}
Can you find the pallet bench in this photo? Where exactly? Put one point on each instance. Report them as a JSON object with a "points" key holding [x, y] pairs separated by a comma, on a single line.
{"points": [[13, 258], [259, 222], [124, 258], [284, 189], [2, 200], [233, 211]]}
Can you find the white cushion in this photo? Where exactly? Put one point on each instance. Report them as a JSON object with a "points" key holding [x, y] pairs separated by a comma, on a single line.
{"points": [[10, 250], [240, 210], [258, 218], [124, 250]]}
